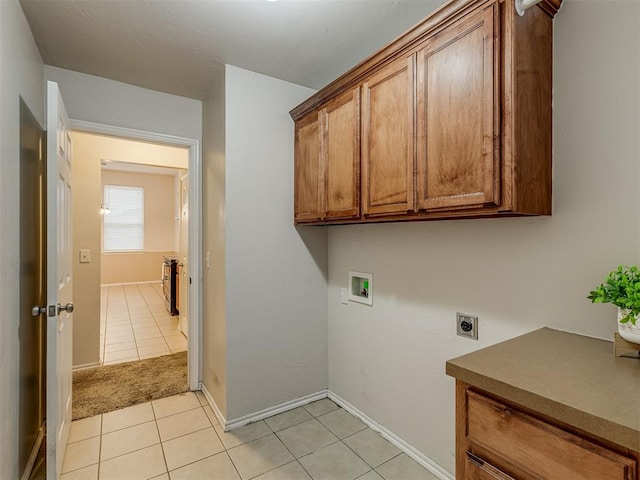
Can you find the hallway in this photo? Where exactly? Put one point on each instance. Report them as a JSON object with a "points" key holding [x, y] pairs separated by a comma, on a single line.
{"points": [[135, 324]]}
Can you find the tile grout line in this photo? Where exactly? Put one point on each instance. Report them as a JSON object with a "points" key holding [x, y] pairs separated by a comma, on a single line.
{"points": [[341, 440], [164, 456], [367, 473], [245, 443], [356, 453], [132, 451], [127, 296], [130, 325], [231, 459], [100, 443], [104, 333], [224, 448], [142, 297], [163, 335], [295, 459], [338, 440], [387, 461], [157, 324], [106, 326], [274, 433], [270, 429], [135, 339]]}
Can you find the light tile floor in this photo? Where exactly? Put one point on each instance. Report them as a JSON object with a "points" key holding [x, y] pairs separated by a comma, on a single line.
{"points": [[179, 438], [135, 324]]}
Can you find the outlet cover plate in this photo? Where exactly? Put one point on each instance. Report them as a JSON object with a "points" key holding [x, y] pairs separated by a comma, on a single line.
{"points": [[467, 325], [85, 256], [344, 296]]}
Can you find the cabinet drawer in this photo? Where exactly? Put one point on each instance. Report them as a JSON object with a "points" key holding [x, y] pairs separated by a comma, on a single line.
{"points": [[538, 448]]}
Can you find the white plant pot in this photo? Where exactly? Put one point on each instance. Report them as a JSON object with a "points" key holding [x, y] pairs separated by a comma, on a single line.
{"points": [[628, 331]]}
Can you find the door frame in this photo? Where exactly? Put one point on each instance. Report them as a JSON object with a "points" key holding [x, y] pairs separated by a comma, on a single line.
{"points": [[37, 228], [195, 226], [181, 181]]}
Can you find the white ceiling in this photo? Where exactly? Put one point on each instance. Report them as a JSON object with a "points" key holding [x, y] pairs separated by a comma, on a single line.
{"points": [[176, 46]]}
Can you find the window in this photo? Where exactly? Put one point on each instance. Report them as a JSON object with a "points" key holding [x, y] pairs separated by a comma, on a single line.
{"points": [[124, 226]]}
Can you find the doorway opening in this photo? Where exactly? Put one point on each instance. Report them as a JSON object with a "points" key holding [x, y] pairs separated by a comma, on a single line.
{"points": [[145, 310], [130, 230], [144, 256]]}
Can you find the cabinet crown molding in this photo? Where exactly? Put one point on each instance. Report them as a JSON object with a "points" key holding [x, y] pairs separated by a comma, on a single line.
{"points": [[440, 18]]}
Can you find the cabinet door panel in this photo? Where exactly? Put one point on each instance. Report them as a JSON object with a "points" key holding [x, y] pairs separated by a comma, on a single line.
{"points": [[308, 169], [458, 98], [341, 149], [388, 139]]}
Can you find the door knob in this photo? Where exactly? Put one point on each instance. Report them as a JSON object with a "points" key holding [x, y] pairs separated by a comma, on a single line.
{"points": [[67, 308], [37, 311]]}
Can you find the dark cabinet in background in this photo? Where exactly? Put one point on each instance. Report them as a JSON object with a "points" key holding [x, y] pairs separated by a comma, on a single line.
{"points": [[170, 284]]}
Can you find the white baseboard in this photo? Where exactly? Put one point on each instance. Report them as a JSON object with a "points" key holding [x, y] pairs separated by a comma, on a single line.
{"points": [[261, 414], [212, 403], [128, 283], [269, 412], [411, 451], [84, 366]]}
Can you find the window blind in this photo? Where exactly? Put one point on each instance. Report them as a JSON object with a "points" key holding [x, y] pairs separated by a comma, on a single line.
{"points": [[124, 226]]}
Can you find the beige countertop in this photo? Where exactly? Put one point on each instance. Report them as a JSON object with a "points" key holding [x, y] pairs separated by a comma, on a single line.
{"points": [[572, 378]]}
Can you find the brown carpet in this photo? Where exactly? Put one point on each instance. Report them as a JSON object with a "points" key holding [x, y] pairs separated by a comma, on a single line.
{"points": [[104, 389]]}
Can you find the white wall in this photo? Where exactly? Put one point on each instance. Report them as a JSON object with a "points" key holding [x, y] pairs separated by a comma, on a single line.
{"points": [[96, 99], [86, 225], [160, 221], [275, 274], [516, 274], [160, 226], [21, 74], [275, 303], [214, 327]]}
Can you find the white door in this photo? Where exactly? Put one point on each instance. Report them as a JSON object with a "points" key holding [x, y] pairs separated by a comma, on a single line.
{"points": [[59, 281], [184, 254]]}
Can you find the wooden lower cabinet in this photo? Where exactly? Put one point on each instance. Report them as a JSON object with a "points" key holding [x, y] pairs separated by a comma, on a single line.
{"points": [[478, 469], [497, 440]]}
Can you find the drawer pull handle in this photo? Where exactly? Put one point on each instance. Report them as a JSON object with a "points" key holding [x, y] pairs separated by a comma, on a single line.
{"points": [[487, 467], [502, 410]]}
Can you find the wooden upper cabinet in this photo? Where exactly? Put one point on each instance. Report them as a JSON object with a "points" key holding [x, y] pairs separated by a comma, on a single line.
{"points": [[327, 161], [308, 174], [458, 115], [340, 121], [450, 120], [388, 139]]}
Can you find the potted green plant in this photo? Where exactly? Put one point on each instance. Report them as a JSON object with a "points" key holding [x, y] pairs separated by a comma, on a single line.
{"points": [[622, 288]]}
